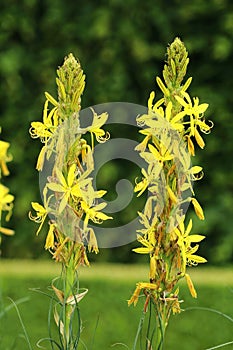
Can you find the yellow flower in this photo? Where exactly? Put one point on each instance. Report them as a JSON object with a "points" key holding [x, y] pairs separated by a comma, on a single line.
{"points": [[150, 177], [95, 128], [68, 187], [92, 212], [135, 296], [90, 195], [160, 116], [141, 147], [162, 154], [174, 121], [194, 110], [92, 241], [142, 185], [4, 158], [41, 158], [139, 287], [190, 286], [49, 244], [46, 129], [6, 201], [184, 242], [41, 212], [198, 209], [153, 265], [147, 249]]}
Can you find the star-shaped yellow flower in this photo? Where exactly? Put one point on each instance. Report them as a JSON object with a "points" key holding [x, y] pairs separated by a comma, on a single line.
{"points": [[184, 242], [69, 187], [194, 110], [41, 211], [93, 213], [46, 129], [95, 128]]}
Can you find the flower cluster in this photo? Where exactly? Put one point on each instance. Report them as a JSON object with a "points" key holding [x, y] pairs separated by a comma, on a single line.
{"points": [[69, 197], [171, 128], [6, 199]]}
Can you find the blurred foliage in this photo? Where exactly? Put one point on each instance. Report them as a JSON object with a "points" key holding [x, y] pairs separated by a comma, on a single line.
{"points": [[121, 46]]}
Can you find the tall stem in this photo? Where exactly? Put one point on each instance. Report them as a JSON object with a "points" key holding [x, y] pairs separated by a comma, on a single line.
{"points": [[69, 279], [161, 326]]}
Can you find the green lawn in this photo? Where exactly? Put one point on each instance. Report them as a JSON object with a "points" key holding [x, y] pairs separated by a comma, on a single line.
{"points": [[109, 287]]}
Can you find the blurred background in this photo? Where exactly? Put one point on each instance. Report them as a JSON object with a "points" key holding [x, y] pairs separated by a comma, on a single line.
{"points": [[121, 46]]}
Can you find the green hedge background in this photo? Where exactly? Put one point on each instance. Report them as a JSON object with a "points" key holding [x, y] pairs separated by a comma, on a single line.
{"points": [[121, 45]]}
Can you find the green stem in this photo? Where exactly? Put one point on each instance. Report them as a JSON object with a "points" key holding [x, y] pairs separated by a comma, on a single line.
{"points": [[161, 326], [69, 281], [139, 330]]}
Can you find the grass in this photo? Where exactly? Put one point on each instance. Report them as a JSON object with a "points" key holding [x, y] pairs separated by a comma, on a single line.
{"points": [[104, 310]]}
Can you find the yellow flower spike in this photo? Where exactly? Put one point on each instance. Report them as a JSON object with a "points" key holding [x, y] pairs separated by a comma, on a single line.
{"points": [[6, 199], [70, 186], [190, 286], [167, 240], [198, 209], [71, 84]]}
